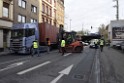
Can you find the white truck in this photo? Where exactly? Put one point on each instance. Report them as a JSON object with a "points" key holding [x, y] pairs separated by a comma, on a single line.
{"points": [[116, 32]]}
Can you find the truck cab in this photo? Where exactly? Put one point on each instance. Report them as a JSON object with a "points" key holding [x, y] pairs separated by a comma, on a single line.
{"points": [[22, 36]]}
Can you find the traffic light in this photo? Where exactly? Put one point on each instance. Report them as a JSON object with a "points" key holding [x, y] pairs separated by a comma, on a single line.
{"points": [[91, 27]]}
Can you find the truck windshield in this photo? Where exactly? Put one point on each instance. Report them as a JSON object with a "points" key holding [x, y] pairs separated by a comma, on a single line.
{"points": [[17, 33]]}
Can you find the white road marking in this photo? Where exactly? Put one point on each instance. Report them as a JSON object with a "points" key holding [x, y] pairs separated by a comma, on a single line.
{"points": [[13, 65], [62, 73], [67, 54], [32, 68], [13, 60], [57, 78], [97, 69]]}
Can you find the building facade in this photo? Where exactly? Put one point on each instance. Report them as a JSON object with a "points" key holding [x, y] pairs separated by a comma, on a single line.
{"points": [[26, 11], [60, 12], [51, 10], [47, 11], [6, 22]]}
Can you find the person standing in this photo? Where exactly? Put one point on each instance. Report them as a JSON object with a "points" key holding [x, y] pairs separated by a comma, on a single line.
{"points": [[101, 44], [35, 48], [48, 45], [63, 46]]}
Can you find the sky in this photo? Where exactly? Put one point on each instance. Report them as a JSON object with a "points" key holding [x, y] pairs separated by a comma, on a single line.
{"points": [[82, 14]]}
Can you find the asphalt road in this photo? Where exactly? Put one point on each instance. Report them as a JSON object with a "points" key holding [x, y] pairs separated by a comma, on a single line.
{"points": [[90, 66]]}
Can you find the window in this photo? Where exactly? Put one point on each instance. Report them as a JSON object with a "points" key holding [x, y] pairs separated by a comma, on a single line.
{"points": [[17, 33], [5, 10], [33, 8], [54, 3], [43, 19], [55, 13], [33, 20], [50, 21], [47, 20], [29, 32], [43, 6], [46, 9], [50, 12], [22, 3], [21, 18]]}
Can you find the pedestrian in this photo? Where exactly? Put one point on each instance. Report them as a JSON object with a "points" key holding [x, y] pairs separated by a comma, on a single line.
{"points": [[101, 44], [63, 46], [35, 48], [48, 45]]}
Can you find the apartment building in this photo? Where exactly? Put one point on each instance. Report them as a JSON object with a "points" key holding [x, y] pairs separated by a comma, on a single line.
{"points": [[47, 10], [26, 11], [6, 22], [50, 11], [60, 12]]}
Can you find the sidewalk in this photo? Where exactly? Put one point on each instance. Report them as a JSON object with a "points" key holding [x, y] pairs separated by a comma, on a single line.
{"points": [[5, 52]]}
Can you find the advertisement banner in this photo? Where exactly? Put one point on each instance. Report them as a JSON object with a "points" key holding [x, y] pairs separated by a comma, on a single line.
{"points": [[118, 33]]}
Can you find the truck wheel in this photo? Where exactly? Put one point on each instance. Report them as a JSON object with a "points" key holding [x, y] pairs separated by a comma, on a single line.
{"points": [[78, 49], [122, 50]]}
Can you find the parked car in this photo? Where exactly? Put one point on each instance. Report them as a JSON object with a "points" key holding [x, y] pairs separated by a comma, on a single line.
{"points": [[92, 45], [85, 44]]}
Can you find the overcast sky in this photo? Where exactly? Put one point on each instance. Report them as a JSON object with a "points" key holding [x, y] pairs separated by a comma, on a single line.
{"points": [[87, 13]]}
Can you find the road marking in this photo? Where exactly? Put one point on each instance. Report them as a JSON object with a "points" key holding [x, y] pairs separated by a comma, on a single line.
{"points": [[13, 60], [62, 73], [57, 78], [13, 65], [67, 54], [32, 68], [97, 69]]}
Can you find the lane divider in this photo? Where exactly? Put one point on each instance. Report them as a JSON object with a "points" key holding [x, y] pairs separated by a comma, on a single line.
{"points": [[33, 68], [13, 65], [15, 60], [67, 54]]}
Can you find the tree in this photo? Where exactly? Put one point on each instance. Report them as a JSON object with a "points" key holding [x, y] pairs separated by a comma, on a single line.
{"points": [[104, 31], [80, 32]]}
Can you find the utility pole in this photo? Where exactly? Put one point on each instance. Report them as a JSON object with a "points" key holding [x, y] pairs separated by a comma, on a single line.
{"points": [[70, 24], [117, 9], [82, 30]]}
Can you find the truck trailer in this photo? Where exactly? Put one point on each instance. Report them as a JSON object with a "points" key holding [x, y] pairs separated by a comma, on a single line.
{"points": [[116, 32], [23, 35]]}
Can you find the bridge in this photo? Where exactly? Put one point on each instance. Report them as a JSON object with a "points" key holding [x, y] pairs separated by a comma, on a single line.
{"points": [[90, 37]]}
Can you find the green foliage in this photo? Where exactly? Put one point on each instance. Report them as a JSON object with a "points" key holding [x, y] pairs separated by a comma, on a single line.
{"points": [[103, 30]]}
